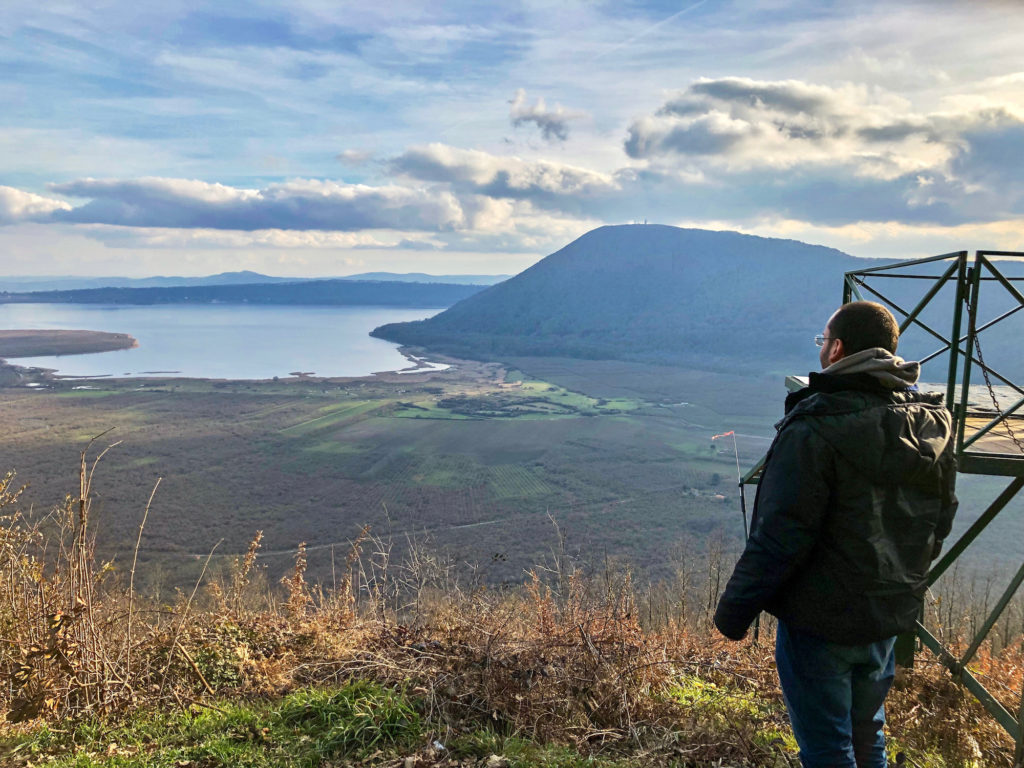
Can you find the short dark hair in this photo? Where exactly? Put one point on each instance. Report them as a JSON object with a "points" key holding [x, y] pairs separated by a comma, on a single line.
{"points": [[864, 325]]}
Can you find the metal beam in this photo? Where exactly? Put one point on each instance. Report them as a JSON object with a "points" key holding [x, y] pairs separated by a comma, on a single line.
{"points": [[1010, 288], [971, 286], [908, 263], [928, 297], [1001, 317], [999, 419], [990, 622], [998, 464], [971, 683], [958, 316], [850, 289], [972, 533], [904, 312]]}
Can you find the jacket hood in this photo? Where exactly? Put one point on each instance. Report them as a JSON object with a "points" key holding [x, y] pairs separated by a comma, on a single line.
{"points": [[891, 371], [906, 431]]}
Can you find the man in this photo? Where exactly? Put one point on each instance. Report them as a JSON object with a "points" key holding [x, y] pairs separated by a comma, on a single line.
{"points": [[854, 501]]}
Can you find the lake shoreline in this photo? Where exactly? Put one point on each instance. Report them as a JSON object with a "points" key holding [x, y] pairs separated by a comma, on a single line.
{"points": [[421, 369], [216, 343]]}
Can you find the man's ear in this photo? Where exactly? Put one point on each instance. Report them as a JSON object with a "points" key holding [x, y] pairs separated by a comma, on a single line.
{"points": [[836, 351]]}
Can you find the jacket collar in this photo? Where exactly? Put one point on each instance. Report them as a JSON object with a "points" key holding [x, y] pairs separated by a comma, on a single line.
{"points": [[837, 382]]}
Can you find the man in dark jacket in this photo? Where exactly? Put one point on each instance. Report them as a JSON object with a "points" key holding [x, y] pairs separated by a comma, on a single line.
{"points": [[854, 501]]}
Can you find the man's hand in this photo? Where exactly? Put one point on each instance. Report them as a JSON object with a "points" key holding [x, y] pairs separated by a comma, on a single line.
{"points": [[731, 627]]}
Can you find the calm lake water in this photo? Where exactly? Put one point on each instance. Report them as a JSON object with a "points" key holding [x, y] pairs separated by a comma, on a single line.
{"points": [[221, 341]]}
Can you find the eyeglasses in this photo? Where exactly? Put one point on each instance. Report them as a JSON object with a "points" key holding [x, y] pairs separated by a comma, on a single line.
{"points": [[820, 339]]}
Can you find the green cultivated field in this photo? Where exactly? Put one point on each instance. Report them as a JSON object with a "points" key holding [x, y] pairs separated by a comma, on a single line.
{"points": [[478, 461]]}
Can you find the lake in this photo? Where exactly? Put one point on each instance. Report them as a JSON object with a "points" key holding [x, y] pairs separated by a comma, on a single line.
{"points": [[221, 341]]}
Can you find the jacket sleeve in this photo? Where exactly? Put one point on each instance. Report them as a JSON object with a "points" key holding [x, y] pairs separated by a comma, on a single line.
{"points": [[792, 498], [949, 500]]}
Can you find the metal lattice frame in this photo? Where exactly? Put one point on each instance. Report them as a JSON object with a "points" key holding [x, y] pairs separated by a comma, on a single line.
{"points": [[965, 358]]}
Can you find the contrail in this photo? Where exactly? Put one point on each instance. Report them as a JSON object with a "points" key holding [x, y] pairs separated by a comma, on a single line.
{"points": [[647, 31]]}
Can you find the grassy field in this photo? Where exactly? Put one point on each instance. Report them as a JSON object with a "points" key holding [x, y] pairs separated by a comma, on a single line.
{"points": [[497, 465], [480, 460]]}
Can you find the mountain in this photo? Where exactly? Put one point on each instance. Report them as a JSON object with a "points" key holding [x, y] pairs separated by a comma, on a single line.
{"points": [[309, 292], [650, 293], [421, 277], [15, 284]]}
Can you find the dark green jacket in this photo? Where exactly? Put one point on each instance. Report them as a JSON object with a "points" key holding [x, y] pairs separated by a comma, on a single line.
{"points": [[853, 504]]}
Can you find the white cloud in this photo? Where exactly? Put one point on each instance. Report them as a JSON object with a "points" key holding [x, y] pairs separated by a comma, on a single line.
{"points": [[893, 239], [499, 176], [157, 237], [16, 206], [355, 156], [738, 124]]}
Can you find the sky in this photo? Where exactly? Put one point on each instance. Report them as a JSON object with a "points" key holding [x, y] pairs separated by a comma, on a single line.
{"points": [[325, 137]]}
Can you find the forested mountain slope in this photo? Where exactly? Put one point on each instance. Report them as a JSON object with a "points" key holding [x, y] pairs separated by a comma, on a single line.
{"points": [[652, 293]]}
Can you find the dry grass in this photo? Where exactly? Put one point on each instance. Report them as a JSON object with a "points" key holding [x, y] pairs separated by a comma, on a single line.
{"points": [[583, 659]]}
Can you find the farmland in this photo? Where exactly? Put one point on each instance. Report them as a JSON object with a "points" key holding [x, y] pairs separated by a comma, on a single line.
{"points": [[482, 461], [479, 459]]}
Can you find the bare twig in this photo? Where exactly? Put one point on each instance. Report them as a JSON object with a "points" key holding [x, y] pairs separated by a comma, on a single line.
{"points": [[184, 617], [131, 581]]}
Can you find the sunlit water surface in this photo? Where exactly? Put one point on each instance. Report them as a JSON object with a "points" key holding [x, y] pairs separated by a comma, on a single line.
{"points": [[221, 341]]}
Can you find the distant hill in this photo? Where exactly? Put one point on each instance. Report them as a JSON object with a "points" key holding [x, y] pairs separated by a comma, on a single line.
{"points": [[651, 293], [421, 277], [17, 284], [310, 292], [69, 283]]}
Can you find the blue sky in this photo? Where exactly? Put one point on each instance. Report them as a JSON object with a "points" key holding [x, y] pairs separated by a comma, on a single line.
{"points": [[318, 137]]}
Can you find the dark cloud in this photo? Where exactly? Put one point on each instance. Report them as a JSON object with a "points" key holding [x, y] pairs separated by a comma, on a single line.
{"points": [[300, 205], [706, 135], [788, 96], [553, 123]]}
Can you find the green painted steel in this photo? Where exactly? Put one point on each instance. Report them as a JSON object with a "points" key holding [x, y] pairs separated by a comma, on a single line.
{"points": [[954, 338], [990, 622], [993, 423], [972, 533], [970, 682], [926, 300], [1010, 288], [996, 464], [1018, 753]]}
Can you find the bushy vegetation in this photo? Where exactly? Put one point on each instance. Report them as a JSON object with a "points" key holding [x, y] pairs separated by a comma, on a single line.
{"points": [[402, 663]]}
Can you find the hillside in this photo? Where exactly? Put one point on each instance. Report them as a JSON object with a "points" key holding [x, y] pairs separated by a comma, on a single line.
{"points": [[650, 293], [422, 277], [312, 292], [26, 284]]}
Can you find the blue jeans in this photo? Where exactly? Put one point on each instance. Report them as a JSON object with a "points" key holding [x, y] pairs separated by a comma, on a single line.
{"points": [[835, 695]]}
